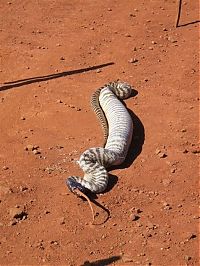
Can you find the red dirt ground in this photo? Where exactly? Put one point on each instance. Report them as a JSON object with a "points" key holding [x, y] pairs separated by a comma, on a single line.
{"points": [[153, 202]]}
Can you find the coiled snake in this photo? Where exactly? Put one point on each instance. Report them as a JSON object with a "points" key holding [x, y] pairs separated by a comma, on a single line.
{"points": [[118, 128]]}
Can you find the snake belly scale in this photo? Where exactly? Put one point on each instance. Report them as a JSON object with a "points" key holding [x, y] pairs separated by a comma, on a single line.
{"points": [[118, 128]]}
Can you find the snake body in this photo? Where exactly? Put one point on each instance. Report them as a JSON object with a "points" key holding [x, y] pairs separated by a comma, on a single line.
{"points": [[118, 128]]}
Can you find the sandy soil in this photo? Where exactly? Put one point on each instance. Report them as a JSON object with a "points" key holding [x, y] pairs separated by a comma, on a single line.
{"points": [[53, 55]]}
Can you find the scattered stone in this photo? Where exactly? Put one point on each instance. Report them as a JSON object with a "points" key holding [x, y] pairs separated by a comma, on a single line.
{"points": [[54, 242], [150, 48], [62, 58], [153, 42], [191, 236], [78, 109], [187, 258], [5, 167], [133, 60], [127, 35], [59, 101], [185, 151], [22, 118], [23, 188], [61, 220], [195, 151], [29, 147], [109, 9], [183, 130], [173, 170], [134, 217], [59, 147], [46, 212], [36, 152], [18, 213], [160, 153], [166, 206], [98, 71]]}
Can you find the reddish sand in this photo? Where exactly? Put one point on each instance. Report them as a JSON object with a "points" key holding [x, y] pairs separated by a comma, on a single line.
{"points": [[47, 52]]}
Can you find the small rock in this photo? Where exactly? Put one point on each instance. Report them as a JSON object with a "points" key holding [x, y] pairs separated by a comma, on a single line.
{"points": [[36, 152], [166, 206], [5, 167], [62, 220], [191, 236], [29, 147], [127, 35], [187, 258], [23, 188], [22, 118], [195, 151], [59, 101], [109, 9], [134, 217], [133, 60], [78, 109], [132, 15], [157, 151], [162, 155], [62, 58], [98, 71], [183, 130], [18, 213]]}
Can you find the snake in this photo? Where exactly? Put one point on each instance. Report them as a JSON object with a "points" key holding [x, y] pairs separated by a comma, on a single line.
{"points": [[117, 125]]}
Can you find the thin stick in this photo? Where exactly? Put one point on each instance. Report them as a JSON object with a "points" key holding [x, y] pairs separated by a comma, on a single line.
{"points": [[179, 13], [88, 200]]}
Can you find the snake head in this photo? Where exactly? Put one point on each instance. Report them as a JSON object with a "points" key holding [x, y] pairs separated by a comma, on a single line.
{"points": [[74, 186]]}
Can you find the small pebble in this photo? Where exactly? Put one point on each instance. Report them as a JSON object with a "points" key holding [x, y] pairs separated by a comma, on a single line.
{"points": [[134, 217], [133, 60], [187, 258], [98, 71], [29, 147], [5, 167], [59, 101], [36, 152]]}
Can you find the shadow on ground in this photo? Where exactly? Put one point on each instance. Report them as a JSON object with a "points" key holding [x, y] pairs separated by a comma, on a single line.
{"points": [[102, 262], [22, 82]]}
